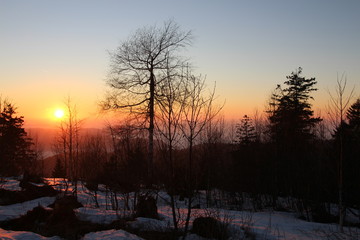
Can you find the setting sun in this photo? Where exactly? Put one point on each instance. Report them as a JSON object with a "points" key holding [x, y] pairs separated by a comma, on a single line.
{"points": [[59, 113]]}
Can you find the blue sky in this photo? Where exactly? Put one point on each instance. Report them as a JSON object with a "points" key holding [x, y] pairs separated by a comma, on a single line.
{"points": [[51, 49]]}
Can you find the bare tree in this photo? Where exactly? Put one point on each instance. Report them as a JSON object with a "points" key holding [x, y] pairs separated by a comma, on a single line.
{"points": [[171, 106], [212, 155], [137, 69], [127, 155], [259, 124], [68, 141], [339, 103], [93, 158], [198, 111]]}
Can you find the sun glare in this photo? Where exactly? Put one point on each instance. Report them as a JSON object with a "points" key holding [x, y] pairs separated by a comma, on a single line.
{"points": [[59, 113]]}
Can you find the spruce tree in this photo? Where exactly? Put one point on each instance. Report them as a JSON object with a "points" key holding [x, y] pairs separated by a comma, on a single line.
{"points": [[351, 154], [353, 115], [292, 114], [245, 131], [292, 132], [16, 155]]}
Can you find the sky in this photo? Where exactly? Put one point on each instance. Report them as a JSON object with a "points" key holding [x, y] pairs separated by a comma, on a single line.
{"points": [[50, 50]]}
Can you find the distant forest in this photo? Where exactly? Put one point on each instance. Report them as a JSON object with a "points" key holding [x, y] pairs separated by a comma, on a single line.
{"points": [[175, 139]]}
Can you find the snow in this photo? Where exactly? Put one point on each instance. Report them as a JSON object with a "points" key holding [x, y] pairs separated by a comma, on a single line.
{"points": [[148, 224], [96, 215], [10, 184], [38, 184], [16, 210], [111, 235], [20, 235], [195, 237], [267, 225]]}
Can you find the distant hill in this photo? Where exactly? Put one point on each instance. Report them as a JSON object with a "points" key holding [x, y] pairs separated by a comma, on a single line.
{"points": [[46, 137], [49, 164]]}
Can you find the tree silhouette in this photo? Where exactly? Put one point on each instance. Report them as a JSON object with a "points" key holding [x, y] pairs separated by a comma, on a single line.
{"points": [[292, 131], [351, 154], [353, 114], [245, 131], [339, 102], [16, 155], [292, 113], [199, 110], [138, 66]]}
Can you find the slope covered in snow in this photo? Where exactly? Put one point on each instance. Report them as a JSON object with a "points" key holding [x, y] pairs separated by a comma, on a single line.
{"points": [[267, 225], [20, 235]]}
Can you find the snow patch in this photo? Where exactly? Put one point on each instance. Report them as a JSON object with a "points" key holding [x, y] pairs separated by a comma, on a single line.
{"points": [[111, 235], [10, 185], [38, 184], [16, 210], [193, 236], [96, 215], [149, 224], [20, 235]]}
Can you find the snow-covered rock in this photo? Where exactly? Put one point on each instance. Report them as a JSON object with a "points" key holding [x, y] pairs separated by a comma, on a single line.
{"points": [[96, 215], [20, 235], [111, 235], [149, 224], [16, 210], [10, 184], [195, 237]]}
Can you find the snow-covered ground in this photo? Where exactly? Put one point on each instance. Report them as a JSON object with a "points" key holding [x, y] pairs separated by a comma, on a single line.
{"points": [[266, 225], [20, 235], [111, 234], [15, 210], [10, 184]]}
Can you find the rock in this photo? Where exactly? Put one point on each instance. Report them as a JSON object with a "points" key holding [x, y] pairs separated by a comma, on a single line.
{"points": [[146, 207], [209, 227]]}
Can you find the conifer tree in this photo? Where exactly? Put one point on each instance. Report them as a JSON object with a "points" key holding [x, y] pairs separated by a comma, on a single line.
{"points": [[292, 114], [351, 154], [16, 155], [291, 129], [245, 131], [353, 115]]}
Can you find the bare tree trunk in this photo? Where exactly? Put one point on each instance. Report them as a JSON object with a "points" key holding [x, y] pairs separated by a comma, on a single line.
{"points": [[198, 113], [337, 108], [151, 128], [189, 185]]}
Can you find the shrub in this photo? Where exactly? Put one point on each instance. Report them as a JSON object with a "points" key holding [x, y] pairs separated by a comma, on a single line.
{"points": [[146, 207], [209, 227]]}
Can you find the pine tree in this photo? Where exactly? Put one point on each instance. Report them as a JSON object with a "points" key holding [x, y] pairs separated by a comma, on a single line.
{"points": [[292, 132], [245, 131], [292, 114], [353, 115], [351, 154], [16, 155]]}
